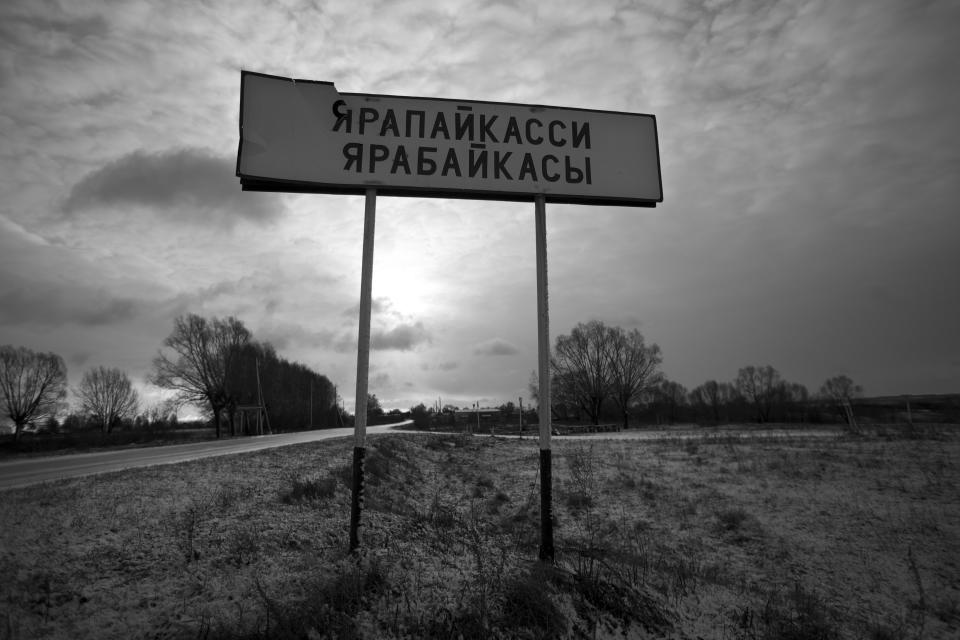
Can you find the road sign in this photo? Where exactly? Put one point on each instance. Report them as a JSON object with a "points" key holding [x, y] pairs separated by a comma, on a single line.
{"points": [[305, 136]]}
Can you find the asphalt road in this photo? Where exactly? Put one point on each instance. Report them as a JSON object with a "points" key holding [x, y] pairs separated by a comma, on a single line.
{"points": [[21, 473]]}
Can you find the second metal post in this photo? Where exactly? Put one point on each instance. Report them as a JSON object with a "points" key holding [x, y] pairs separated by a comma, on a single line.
{"points": [[544, 408], [363, 367]]}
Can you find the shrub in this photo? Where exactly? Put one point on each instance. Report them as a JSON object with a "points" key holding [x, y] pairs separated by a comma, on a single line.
{"points": [[528, 605], [583, 479], [732, 519], [331, 605], [798, 615], [309, 489], [739, 525], [578, 502], [446, 442], [422, 417]]}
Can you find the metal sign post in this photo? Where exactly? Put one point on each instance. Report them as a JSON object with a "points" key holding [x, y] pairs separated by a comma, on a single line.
{"points": [[363, 367], [544, 408]]}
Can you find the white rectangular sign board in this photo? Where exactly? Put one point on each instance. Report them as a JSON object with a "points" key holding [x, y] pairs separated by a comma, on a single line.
{"points": [[305, 136]]}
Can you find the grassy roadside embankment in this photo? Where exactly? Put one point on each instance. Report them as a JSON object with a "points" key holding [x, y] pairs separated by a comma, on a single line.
{"points": [[714, 537]]}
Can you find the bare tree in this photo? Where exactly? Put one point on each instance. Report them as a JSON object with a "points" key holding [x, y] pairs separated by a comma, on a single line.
{"points": [[162, 414], [199, 367], [671, 396], [633, 367], [108, 395], [713, 396], [790, 400], [581, 363], [374, 408], [32, 385], [533, 387], [841, 390], [564, 402], [758, 386]]}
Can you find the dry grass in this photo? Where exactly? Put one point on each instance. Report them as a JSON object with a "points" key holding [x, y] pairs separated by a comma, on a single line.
{"points": [[712, 538]]}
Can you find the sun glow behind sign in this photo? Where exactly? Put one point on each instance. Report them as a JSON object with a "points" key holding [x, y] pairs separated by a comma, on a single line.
{"points": [[305, 136]]}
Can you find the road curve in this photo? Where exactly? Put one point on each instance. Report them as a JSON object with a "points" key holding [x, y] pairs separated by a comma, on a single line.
{"points": [[21, 473]]}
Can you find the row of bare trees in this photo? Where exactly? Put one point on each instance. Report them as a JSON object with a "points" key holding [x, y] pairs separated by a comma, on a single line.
{"points": [[214, 364], [33, 390], [761, 394], [596, 365]]}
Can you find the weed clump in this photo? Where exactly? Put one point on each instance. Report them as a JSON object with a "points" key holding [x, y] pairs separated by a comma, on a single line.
{"points": [[737, 525], [308, 490], [583, 480], [331, 606], [187, 529], [447, 442], [392, 459], [797, 615], [529, 604]]}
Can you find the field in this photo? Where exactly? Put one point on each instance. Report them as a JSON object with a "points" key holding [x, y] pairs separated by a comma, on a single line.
{"points": [[710, 537]]}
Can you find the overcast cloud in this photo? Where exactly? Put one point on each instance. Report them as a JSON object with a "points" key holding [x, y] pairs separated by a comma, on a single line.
{"points": [[188, 185], [810, 153], [495, 347]]}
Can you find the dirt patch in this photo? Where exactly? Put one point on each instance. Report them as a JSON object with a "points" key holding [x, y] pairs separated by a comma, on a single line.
{"points": [[845, 538]]}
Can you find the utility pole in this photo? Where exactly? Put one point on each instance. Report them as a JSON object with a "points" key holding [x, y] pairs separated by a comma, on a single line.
{"points": [[263, 407], [521, 416]]}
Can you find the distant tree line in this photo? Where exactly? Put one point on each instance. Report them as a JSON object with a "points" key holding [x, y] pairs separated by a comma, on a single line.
{"points": [[217, 365], [33, 392], [214, 364], [758, 394], [606, 373], [600, 372]]}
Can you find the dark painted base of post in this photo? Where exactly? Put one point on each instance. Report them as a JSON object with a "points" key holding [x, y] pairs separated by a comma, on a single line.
{"points": [[546, 506], [356, 505]]}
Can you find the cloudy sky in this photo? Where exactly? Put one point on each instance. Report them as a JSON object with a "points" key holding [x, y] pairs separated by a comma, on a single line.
{"points": [[810, 158]]}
